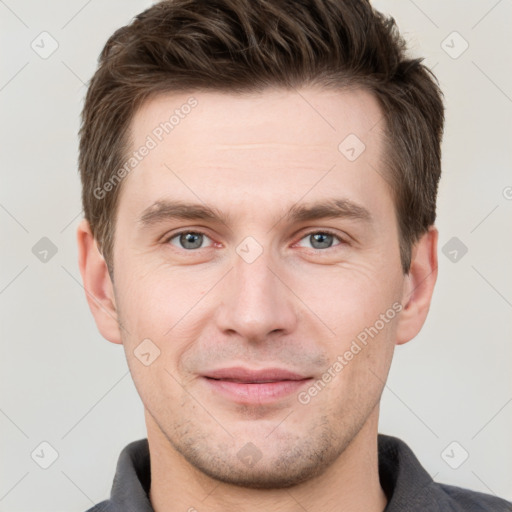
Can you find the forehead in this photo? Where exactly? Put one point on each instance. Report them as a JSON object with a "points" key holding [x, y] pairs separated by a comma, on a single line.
{"points": [[311, 116], [276, 145]]}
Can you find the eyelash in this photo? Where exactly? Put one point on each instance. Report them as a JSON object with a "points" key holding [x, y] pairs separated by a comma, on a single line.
{"points": [[309, 233]]}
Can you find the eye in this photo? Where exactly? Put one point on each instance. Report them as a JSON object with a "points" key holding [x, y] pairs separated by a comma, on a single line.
{"points": [[321, 239], [188, 240]]}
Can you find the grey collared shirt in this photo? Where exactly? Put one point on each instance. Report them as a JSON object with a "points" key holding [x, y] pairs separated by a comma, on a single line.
{"points": [[409, 488]]}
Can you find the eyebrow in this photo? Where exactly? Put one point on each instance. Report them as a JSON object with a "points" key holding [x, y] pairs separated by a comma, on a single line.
{"points": [[332, 208], [164, 210], [168, 210]]}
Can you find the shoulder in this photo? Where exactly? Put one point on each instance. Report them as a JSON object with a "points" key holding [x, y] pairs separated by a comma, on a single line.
{"points": [[104, 506], [409, 487], [457, 499]]}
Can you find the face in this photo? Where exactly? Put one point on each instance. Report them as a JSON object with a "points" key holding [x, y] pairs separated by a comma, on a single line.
{"points": [[259, 260]]}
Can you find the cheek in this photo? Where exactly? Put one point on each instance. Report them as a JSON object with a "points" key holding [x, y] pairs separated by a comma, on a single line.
{"points": [[359, 362], [163, 306], [154, 300], [348, 299], [153, 309], [361, 306]]}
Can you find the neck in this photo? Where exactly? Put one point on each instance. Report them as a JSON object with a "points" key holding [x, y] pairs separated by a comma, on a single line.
{"points": [[350, 484]]}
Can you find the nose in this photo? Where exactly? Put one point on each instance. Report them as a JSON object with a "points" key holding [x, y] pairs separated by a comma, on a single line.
{"points": [[255, 301]]}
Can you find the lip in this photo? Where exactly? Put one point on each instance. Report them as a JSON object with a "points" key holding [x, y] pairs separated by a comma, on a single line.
{"points": [[248, 376], [246, 386]]}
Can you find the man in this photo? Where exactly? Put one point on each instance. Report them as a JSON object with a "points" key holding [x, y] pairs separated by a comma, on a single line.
{"points": [[259, 187]]}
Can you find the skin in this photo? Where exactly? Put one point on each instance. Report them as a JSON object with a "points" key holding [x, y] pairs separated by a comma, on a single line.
{"points": [[253, 157]]}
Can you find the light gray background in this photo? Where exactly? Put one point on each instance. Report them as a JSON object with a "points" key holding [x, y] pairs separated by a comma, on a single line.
{"points": [[63, 384]]}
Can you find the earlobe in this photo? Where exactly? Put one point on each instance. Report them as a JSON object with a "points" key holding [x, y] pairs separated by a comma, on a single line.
{"points": [[97, 284], [418, 287]]}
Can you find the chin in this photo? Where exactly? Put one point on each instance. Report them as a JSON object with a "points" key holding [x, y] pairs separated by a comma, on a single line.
{"points": [[289, 464]]}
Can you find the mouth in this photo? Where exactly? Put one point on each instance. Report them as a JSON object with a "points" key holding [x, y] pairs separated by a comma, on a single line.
{"points": [[245, 386]]}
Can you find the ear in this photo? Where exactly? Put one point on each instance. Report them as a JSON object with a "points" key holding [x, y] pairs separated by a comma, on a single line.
{"points": [[98, 286], [418, 287]]}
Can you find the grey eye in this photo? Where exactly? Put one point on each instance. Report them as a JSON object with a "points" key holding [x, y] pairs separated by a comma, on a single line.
{"points": [[321, 240], [188, 240]]}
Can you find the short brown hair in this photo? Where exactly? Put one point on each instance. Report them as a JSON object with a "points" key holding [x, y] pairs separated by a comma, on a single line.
{"points": [[242, 46]]}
